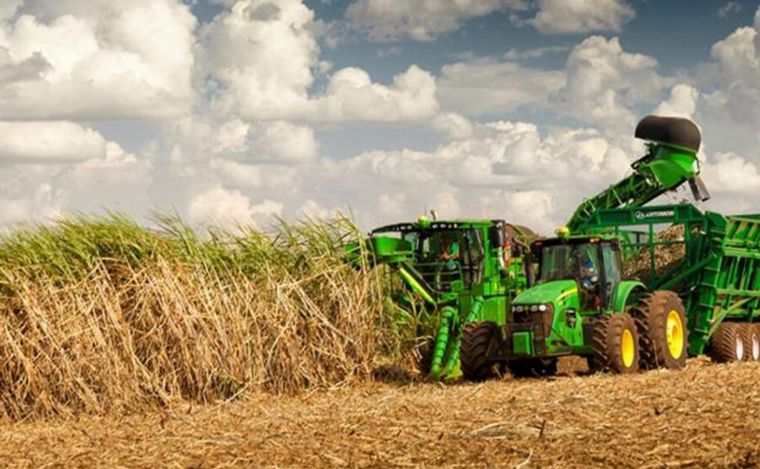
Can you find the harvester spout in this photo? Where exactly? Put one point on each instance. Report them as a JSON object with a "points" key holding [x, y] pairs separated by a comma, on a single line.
{"points": [[670, 161], [698, 189]]}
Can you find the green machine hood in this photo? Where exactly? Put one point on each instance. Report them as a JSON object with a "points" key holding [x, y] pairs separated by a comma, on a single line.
{"points": [[549, 292]]}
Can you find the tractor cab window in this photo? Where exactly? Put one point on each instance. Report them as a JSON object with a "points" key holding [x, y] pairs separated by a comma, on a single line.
{"points": [[569, 262], [448, 255], [594, 266], [612, 274]]}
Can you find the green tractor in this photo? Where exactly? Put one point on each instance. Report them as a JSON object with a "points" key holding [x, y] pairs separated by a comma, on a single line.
{"points": [[451, 272], [581, 305]]}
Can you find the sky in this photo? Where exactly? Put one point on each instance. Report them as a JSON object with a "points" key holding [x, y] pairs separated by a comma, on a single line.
{"points": [[235, 112]]}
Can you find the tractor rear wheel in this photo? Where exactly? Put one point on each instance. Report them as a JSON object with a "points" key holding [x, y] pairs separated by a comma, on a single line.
{"points": [[727, 344], [661, 322], [615, 344], [533, 367], [480, 342]]}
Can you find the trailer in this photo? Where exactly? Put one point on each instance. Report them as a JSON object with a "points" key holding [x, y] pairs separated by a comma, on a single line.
{"points": [[718, 278]]}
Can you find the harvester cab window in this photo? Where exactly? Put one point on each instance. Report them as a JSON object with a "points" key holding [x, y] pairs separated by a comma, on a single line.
{"points": [[411, 236], [448, 255], [472, 261]]}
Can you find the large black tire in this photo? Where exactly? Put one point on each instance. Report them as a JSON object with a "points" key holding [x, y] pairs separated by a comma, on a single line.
{"points": [[727, 344], [480, 343], [425, 350], [615, 344], [533, 367], [663, 336]]}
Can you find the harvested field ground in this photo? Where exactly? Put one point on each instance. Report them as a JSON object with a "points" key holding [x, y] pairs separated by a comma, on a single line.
{"points": [[706, 415]]}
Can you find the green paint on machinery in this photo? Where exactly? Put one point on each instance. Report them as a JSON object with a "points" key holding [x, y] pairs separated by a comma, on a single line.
{"points": [[670, 161], [456, 271], [707, 300]]}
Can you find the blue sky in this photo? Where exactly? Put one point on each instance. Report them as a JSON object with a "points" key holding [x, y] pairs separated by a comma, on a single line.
{"points": [[231, 111]]}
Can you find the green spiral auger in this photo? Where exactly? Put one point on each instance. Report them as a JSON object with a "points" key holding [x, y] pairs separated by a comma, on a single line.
{"points": [[450, 323]]}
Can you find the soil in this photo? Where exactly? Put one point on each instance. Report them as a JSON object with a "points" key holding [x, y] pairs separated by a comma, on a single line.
{"points": [[705, 415]]}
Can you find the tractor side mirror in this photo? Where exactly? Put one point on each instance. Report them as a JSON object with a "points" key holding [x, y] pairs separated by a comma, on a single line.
{"points": [[496, 236]]}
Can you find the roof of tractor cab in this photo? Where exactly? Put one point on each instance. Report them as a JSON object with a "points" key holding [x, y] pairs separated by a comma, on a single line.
{"points": [[438, 225]]}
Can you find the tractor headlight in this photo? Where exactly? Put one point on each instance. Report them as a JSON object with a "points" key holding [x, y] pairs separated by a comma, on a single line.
{"points": [[534, 309], [519, 308], [542, 308]]}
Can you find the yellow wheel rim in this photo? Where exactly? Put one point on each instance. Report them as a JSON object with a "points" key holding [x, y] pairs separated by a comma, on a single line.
{"points": [[674, 334], [628, 348]]}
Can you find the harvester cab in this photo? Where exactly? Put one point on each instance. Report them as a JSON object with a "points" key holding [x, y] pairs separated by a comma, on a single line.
{"points": [[451, 273]]}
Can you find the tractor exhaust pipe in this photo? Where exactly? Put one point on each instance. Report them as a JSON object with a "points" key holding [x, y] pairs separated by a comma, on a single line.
{"points": [[698, 189]]}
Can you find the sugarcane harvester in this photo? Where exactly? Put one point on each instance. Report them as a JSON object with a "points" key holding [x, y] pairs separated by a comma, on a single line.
{"points": [[581, 304], [451, 272]]}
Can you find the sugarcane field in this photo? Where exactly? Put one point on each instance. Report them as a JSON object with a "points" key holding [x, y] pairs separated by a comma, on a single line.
{"points": [[361, 233]]}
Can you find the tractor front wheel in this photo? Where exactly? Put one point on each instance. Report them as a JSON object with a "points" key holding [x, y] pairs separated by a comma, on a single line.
{"points": [[615, 343], [727, 344], [480, 342], [661, 322]]}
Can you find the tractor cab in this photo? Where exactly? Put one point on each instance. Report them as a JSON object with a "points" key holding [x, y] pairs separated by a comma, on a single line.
{"points": [[592, 262]]}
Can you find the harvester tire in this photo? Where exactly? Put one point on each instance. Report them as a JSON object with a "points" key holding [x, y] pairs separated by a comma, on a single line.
{"points": [[533, 367], [425, 351], [615, 344], [727, 344], [663, 336], [480, 342], [752, 342]]}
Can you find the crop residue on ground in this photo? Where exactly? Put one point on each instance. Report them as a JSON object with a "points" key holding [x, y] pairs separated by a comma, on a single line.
{"points": [[704, 416]]}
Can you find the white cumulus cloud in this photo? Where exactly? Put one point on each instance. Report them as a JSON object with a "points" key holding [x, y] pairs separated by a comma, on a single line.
{"points": [[270, 78], [581, 16], [49, 142], [604, 82], [682, 102], [421, 20], [229, 208], [77, 60]]}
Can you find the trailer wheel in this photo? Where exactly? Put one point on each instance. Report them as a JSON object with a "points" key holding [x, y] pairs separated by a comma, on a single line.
{"points": [[533, 367], [727, 344], [751, 342], [615, 343], [480, 342], [661, 321]]}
